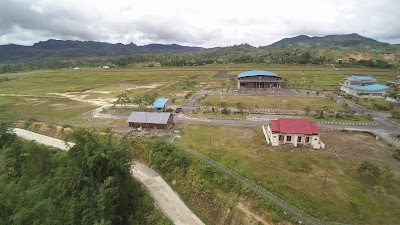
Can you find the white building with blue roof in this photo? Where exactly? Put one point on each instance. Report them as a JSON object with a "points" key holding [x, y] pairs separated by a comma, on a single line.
{"points": [[259, 79], [363, 86]]}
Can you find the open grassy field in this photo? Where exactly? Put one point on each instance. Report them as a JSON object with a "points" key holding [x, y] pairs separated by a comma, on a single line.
{"points": [[332, 118], [102, 86], [297, 174], [283, 102], [377, 104], [41, 108]]}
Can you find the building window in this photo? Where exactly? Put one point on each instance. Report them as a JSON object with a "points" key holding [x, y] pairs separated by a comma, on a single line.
{"points": [[280, 138], [298, 139], [288, 138]]}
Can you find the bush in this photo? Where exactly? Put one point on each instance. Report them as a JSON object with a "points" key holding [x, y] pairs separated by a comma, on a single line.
{"points": [[169, 110], [225, 111]]}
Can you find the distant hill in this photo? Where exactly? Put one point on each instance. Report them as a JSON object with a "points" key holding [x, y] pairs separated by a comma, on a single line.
{"points": [[300, 49], [70, 49], [344, 41]]}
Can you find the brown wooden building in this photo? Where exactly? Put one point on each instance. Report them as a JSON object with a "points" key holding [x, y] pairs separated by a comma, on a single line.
{"points": [[151, 120]]}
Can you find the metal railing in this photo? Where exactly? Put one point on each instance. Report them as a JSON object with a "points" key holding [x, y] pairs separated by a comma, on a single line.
{"points": [[302, 217]]}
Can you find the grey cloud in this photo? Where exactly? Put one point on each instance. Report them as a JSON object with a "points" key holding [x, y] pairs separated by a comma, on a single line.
{"points": [[57, 21], [164, 31]]}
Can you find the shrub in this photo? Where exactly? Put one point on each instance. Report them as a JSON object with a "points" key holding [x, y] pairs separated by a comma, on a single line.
{"points": [[225, 111]]}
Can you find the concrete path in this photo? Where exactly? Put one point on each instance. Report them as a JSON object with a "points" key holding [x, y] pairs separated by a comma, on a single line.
{"points": [[42, 139], [166, 198]]}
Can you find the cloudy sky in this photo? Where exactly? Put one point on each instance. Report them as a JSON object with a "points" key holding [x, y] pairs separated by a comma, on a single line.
{"points": [[206, 23]]}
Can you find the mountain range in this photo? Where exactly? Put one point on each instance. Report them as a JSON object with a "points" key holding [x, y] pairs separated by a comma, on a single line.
{"points": [[50, 49]]}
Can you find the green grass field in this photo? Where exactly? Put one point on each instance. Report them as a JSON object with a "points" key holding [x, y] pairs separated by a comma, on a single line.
{"points": [[50, 108], [284, 102], [345, 119], [297, 174]]}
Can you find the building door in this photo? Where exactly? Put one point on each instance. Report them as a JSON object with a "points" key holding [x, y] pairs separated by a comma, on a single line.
{"points": [[307, 139]]}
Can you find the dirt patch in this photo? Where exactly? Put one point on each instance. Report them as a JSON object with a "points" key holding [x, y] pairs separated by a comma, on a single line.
{"points": [[356, 56], [50, 130], [357, 147], [150, 86], [251, 218], [389, 56], [78, 96]]}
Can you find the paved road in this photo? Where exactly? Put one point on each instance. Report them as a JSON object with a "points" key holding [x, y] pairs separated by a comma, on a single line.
{"points": [[42, 139], [167, 199], [192, 101]]}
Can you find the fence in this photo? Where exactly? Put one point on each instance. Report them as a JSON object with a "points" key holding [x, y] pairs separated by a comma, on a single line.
{"points": [[301, 216]]}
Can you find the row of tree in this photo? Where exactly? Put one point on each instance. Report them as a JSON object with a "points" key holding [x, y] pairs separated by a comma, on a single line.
{"points": [[234, 54]]}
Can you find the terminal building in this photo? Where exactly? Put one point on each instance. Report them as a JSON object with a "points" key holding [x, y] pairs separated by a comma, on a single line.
{"points": [[363, 86], [259, 79]]}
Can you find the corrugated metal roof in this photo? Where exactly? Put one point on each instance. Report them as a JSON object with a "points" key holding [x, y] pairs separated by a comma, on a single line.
{"points": [[257, 73], [373, 87], [294, 126], [361, 78], [149, 117], [160, 103]]}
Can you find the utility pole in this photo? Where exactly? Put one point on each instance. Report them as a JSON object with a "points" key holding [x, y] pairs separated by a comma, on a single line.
{"points": [[209, 124], [326, 172]]}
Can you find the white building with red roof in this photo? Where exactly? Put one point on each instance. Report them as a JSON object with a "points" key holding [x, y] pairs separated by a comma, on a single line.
{"points": [[293, 131]]}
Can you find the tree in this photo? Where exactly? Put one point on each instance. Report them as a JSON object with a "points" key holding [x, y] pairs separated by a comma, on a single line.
{"points": [[7, 136], [123, 98], [307, 109], [240, 107]]}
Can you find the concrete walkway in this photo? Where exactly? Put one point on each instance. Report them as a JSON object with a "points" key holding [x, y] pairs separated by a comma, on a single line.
{"points": [[42, 139], [166, 198]]}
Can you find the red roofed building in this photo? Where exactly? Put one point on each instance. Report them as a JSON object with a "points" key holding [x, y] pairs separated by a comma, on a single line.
{"points": [[295, 131]]}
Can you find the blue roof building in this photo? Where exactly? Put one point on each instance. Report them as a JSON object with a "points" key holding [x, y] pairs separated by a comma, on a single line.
{"points": [[160, 104], [363, 86], [259, 79]]}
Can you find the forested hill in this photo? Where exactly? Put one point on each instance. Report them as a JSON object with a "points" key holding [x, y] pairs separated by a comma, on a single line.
{"points": [[71, 49], [338, 41], [351, 48]]}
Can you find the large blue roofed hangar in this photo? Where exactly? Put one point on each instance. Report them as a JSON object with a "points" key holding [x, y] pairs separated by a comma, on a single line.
{"points": [[259, 79]]}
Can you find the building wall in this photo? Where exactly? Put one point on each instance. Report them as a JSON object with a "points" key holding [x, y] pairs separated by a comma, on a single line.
{"points": [[277, 138]]}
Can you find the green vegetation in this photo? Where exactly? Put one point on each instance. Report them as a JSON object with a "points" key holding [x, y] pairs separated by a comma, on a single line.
{"points": [[90, 184], [216, 114], [53, 54], [338, 118], [298, 176], [50, 108], [207, 191], [283, 102]]}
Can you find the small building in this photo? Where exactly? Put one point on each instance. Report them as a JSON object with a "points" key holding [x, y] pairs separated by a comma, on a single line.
{"points": [[259, 79], [363, 86], [160, 104], [150, 120], [293, 131]]}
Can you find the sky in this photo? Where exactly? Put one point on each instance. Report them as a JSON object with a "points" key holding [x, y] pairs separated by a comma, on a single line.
{"points": [[203, 23]]}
